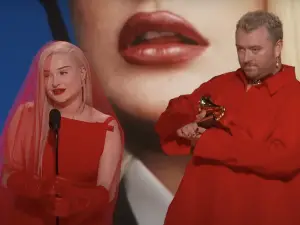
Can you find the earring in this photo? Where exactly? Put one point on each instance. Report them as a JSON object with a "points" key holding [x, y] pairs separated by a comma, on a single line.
{"points": [[83, 82], [277, 62]]}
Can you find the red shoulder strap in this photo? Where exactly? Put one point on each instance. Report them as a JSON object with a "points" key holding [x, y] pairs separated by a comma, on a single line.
{"points": [[107, 121]]}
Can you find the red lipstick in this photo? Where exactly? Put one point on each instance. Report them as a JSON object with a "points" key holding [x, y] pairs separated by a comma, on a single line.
{"points": [[159, 38], [58, 91]]}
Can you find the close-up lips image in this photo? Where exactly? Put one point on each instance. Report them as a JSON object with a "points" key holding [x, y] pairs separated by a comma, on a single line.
{"points": [[159, 38]]}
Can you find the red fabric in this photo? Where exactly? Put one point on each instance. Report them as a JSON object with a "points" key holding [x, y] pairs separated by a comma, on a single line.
{"points": [[78, 163], [90, 154], [79, 197], [80, 200], [180, 111], [252, 176], [27, 186]]}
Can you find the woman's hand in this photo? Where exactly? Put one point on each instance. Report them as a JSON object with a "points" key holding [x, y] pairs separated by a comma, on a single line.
{"points": [[58, 201]]}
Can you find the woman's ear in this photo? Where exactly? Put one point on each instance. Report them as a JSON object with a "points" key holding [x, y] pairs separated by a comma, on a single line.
{"points": [[83, 73]]}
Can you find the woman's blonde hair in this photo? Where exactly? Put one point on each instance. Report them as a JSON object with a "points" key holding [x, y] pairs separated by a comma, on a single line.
{"points": [[42, 104]]}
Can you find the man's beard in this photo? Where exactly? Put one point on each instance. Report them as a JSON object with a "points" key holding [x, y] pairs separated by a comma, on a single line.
{"points": [[140, 136], [251, 71]]}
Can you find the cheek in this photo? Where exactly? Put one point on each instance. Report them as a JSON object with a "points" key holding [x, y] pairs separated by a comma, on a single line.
{"points": [[241, 56], [263, 58], [47, 85], [74, 85]]}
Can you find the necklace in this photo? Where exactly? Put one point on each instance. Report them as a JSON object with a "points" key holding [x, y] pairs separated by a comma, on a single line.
{"points": [[260, 81], [254, 82]]}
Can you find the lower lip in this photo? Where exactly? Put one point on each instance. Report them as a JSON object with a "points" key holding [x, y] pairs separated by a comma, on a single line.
{"points": [[58, 92], [161, 54]]}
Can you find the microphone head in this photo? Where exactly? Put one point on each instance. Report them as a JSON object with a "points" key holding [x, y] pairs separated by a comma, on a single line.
{"points": [[54, 119]]}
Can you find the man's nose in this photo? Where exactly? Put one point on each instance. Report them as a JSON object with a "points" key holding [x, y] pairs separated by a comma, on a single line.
{"points": [[247, 56]]}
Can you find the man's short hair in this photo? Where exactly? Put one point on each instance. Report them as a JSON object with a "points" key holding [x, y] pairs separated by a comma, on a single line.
{"points": [[256, 19]]}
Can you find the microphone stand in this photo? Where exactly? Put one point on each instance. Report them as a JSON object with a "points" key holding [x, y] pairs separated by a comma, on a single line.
{"points": [[56, 133], [54, 124]]}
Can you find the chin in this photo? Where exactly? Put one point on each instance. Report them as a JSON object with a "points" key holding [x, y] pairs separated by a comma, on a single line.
{"points": [[59, 100], [251, 76]]}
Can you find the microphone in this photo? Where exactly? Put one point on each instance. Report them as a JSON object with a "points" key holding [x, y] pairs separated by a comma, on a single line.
{"points": [[54, 125], [54, 120]]}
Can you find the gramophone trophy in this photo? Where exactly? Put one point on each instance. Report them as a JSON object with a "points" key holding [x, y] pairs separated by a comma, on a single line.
{"points": [[214, 114]]}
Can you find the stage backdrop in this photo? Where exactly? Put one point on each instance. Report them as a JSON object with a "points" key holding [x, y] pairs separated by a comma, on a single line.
{"points": [[24, 29], [112, 33]]}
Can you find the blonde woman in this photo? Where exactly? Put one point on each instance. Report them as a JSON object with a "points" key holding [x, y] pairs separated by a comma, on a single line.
{"points": [[89, 153]]}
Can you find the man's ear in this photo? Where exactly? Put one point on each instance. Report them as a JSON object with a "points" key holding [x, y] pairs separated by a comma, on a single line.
{"points": [[278, 48]]}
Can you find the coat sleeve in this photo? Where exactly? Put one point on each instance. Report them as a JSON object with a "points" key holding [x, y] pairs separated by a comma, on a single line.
{"points": [[278, 157], [180, 111]]}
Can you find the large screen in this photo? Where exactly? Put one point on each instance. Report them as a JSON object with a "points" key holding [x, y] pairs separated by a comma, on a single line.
{"points": [[191, 42]]}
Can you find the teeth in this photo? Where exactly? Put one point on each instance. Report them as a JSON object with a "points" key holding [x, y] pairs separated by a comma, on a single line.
{"points": [[153, 34]]}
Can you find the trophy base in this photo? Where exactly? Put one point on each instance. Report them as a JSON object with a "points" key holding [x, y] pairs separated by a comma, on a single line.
{"points": [[209, 122]]}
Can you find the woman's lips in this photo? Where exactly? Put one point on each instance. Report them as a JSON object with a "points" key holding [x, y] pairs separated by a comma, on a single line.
{"points": [[58, 91], [159, 38]]}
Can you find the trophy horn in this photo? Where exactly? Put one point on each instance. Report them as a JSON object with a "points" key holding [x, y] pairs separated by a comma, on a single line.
{"points": [[211, 108], [206, 101]]}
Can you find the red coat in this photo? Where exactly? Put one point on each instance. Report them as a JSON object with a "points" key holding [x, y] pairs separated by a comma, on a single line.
{"points": [[250, 177]]}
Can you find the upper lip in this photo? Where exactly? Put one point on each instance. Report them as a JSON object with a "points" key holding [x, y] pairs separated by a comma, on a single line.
{"points": [[58, 89], [161, 21]]}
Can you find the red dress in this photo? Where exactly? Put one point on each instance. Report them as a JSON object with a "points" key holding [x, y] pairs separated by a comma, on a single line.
{"points": [[80, 148], [251, 177]]}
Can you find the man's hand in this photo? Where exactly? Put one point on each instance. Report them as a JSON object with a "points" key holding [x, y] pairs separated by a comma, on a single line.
{"points": [[192, 131]]}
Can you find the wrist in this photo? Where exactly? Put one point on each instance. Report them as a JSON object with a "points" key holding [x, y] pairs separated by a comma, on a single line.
{"points": [[24, 184]]}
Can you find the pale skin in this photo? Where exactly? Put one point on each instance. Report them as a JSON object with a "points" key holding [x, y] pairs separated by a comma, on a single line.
{"points": [[257, 55], [62, 72], [133, 88], [192, 131]]}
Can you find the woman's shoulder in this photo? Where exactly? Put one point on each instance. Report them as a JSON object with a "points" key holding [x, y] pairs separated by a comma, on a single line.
{"points": [[24, 109], [111, 122], [101, 117], [28, 106]]}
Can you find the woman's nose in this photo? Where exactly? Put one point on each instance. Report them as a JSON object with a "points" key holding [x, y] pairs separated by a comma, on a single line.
{"points": [[54, 81]]}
